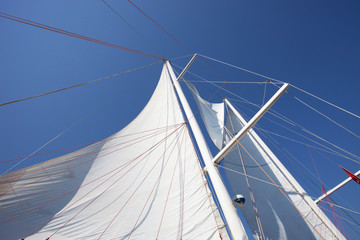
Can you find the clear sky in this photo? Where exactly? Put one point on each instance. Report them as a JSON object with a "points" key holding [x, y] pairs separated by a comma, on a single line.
{"points": [[311, 44]]}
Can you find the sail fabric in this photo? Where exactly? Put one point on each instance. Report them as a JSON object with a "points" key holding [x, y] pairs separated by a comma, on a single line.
{"points": [[213, 116], [144, 182], [292, 215]]}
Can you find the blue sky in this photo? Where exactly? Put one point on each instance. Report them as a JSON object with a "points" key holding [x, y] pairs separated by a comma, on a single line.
{"points": [[311, 44]]}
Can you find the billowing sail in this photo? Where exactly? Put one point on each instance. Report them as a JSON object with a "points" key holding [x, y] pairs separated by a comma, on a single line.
{"points": [[276, 206], [144, 182], [213, 114]]}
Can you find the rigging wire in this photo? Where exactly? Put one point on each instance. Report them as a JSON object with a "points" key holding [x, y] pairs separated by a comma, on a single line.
{"points": [[207, 181], [309, 132], [141, 183], [78, 85], [170, 184], [130, 26], [209, 189], [146, 15], [79, 145], [331, 151], [131, 142], [327, 102], [232, 82], [269, 178], [302, 128], [300, 161], [263, 101], [322, 114], [157, 24], [147, 152], [257, 217], [39, 25], [282, 119], [71, 126], [275, 185], [342, 209], [278, 81]]}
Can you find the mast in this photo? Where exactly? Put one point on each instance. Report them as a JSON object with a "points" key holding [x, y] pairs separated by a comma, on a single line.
{"points": [[234, 223]]}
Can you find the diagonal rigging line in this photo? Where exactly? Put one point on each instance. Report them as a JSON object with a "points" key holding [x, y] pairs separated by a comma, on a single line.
{"points": [[148, 151], [157, 181], [82, 144], [245, 150], [77, 85], [129, 25], [302, 128], [129, 143], [176, 138], [72, 159], [278, 81], [39, 25], [283, 118], [159, 26], [187, 49]]}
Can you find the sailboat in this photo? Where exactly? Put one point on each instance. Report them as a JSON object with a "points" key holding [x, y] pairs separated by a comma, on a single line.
{"points": [[157, 179]]}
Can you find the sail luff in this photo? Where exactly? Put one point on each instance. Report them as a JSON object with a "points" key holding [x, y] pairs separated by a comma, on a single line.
{"points": [[309, 202], [235, 225]]}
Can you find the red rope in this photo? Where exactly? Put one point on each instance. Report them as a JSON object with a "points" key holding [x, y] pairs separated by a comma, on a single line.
{"points": [[170, 185], [39, 25], [88, 154], [113, 219], [157, 145], [150, 149], [147, 200], [93, 159], [83, 144], [206, 186], [333, 211]]}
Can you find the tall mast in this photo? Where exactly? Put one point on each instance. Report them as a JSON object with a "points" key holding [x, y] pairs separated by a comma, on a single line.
{"points": [[236, 228]]}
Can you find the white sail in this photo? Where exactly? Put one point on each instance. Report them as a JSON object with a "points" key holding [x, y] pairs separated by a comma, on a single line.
{"points": [[144, 182], [213, 114], [279, 207], [276, 207]]}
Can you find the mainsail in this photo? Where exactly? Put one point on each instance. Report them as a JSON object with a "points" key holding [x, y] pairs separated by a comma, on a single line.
{"points": [[144, 182], [276, 207]]}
